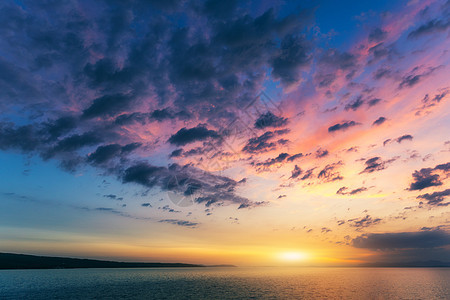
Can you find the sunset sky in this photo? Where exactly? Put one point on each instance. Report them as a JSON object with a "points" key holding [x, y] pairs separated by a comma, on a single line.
{"points": [[225, 132]]}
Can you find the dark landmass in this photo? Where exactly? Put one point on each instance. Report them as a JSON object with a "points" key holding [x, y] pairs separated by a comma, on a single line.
{"points": [[412, 264], [23, 261]]}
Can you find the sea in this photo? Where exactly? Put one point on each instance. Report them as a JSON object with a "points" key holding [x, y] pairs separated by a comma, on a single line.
{"points": [[227, 283]]}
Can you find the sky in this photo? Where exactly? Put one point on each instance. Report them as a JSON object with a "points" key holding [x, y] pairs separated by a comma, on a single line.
{"points": [[253, 133]]}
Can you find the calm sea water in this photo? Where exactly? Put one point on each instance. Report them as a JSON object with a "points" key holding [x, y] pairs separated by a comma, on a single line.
{"points": [[227, 283]]}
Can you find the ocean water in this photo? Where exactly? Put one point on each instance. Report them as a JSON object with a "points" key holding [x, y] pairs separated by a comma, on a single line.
{"points": [[227, 283]]}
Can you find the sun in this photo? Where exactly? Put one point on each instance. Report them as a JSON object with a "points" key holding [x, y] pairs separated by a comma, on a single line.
{"points": [[292, 256]]}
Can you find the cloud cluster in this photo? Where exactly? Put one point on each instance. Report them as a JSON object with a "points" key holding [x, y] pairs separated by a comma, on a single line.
{"points": [[270, 120], [186, 180], [436, 198], [376, 164], [265, 142], [428, 177], [363, 222], [344, 191], [92, 80], [329, 173]]}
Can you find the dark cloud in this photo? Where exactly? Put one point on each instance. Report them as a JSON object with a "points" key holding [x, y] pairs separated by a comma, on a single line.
{"points": [[292, 55], [168, 209], [296, 172], [400, 139], [75, 142], [410, 80], [146, 174], [161, 115], [321, 153], [108, 105], [15, 83], [429, 102], [308, 174], [379, 121], [358, 190], [203, 187], [325, 80], [263, 143], [379, 51], [342, 60], [22, 138], [382, 72], [280, 158], [219, 9], [270, 120], [443, 167], [402, 240], [185, 136], [260, 144], [182, 223], [343, 191], [325, 230], [176, 153], [131, 147], [376, 164], [352, 149], [247, 205], [427, 177], [105, 153], [377, 35], [158, 115], [406, 137], [342, 126], [431, 27], [294, 157], [126, 119], [328, 173], [373, 102], [437, 98], [196, 151], [436, 198], [61, 126], [413, 78], [113, 197], [355, 105], [424, 179], [363, 222], [146, 204]]}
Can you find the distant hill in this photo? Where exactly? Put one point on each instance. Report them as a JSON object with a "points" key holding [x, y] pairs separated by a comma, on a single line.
{"points": [[23, 261], [411, 264]]}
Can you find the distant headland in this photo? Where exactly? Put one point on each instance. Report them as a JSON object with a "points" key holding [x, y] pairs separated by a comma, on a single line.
{"points": [[24, 261]]}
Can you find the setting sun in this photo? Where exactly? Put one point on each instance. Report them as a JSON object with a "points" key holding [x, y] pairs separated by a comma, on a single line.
{"points": [[292, 256]]}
